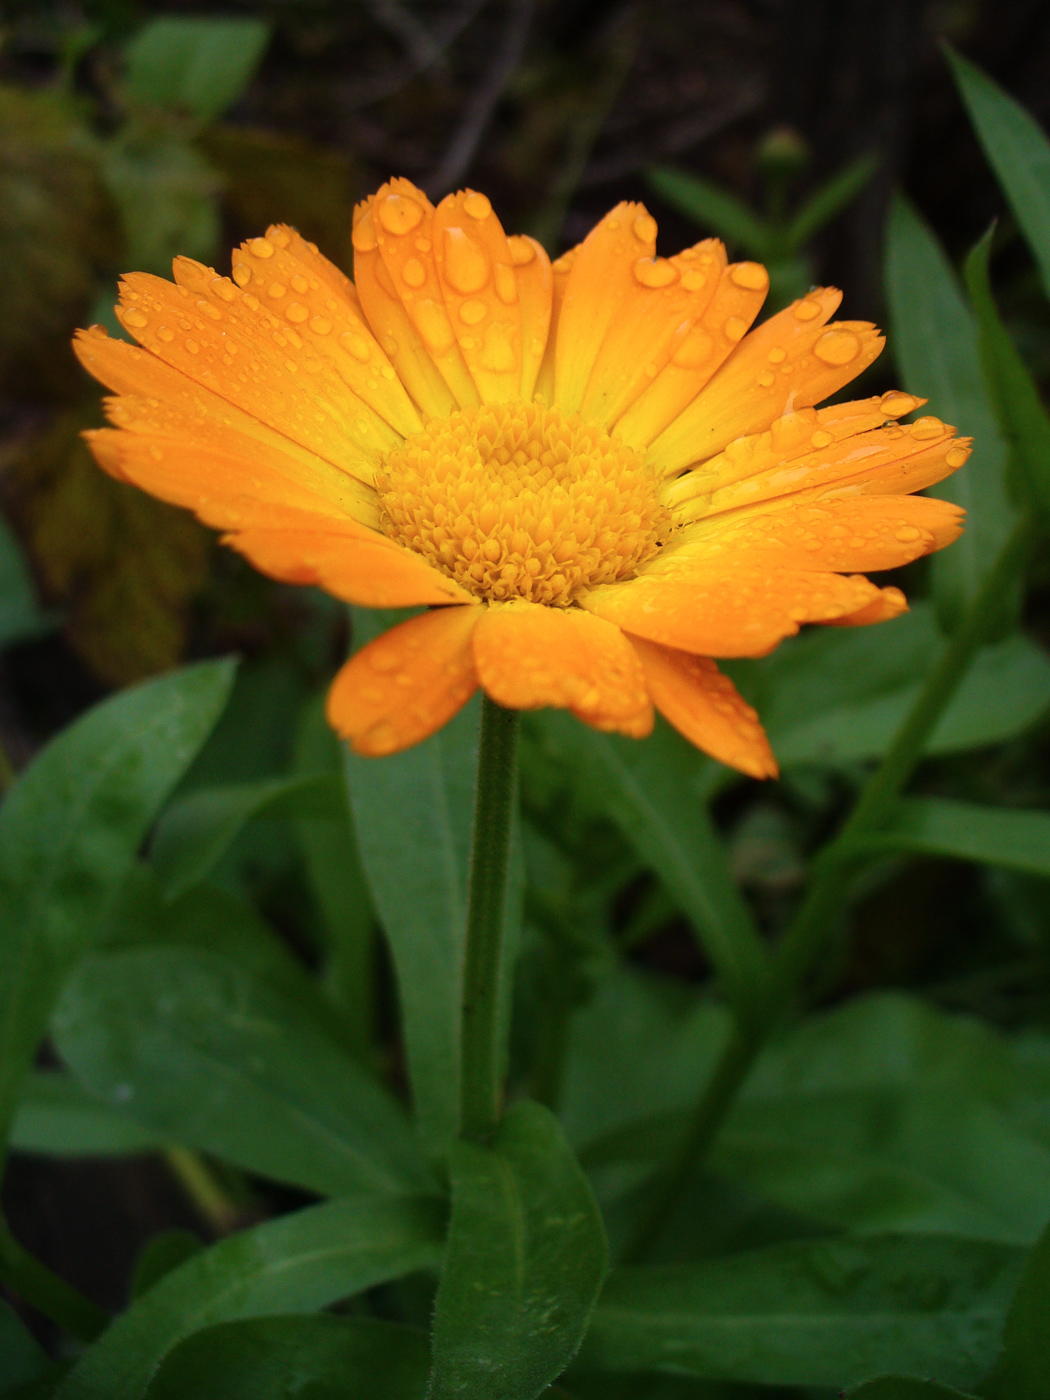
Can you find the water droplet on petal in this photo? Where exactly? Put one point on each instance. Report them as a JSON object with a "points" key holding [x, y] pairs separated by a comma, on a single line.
{"points": [[477, 205], [356, 345], [221, 287], [807, 310], [837, 347], [896, 404], [735, 328], [423, 245], [821, 438], [192, 347], [165, 333], [777, 355], [242, 274], [472, 312], [261, 247], [399, 215], [434, 327], [135, 318], [506, 284], [765, 379], [521, 250], [655, 272], [320, 325], [300, 284], [956, 457], [693, 280], [296, 311], [752, 276], [644, 228], [389, 344], [927, 427], [413, 273], [276, 290], [278, 236], [907, 533], [466, 266]]}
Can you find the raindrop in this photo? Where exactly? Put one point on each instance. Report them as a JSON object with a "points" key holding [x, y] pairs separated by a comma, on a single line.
{"points": [[655, 272], [165, 333], [320, 325], [356, 344], [807, 310], [477, 205], [506, 284], [927, 427], [135, 318], [297, 312], [276, 290], [242, 274], [956, 457], [735, 328], [644, 228], [752, 276], [466, 266], [364, 235], [434, 326], [399, 215], [765, 379], [521, 250], [472, 312], [300, 284], [693, 280], [777, 355], [837, 347], [261, 247], [896, 404], [192, 347], [821, 438], [413, 273]]}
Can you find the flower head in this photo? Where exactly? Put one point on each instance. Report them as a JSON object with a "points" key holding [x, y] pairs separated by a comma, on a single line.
{"points": [[589, 472]]}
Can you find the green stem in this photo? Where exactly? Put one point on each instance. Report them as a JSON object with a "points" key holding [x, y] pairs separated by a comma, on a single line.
{"points": [[493, 809], [34, 1282], [202, 1188], [807, 935], [7, 771]]}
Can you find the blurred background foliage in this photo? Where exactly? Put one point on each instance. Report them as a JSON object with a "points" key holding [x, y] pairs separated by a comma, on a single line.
{"points": [[133, 131]]}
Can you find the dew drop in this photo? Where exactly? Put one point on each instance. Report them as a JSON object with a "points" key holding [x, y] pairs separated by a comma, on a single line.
{"points": [[423, 245], [221, 287], [320, 325], [300, 284], [278, 236], [466, 266], [399, 215], [735, 328], [506, 284], [927, 427], [297, 312], [655, 272], [807, 310], [413, 273], [434, 327], [473, 312], [212, 312], [291, 366], [693, 280], [777, 355], [388, 372], [478, 206], [356, 344], [956, 457], [907, 533], [644, 228], [765, 379], [276, 290], [389, 344], [896, 404], [135, 318], [242, 274], [364, 235], [521, 250], [752, 276], [821, 438], [261, 247], [165, 333], [837, 347], [192, 347]]}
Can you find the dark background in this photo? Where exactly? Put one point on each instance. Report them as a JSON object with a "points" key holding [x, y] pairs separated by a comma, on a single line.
{"points": [[555, 108]]}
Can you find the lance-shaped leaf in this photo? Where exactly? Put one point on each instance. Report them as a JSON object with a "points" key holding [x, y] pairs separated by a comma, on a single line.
{"points": [[58, 1116], [712, 208], [1023, 1369], [965, 831], [69, 831], [829, 1312], [279, 1357], [296, 1264], [935, 343], [209, 1056], [1018, 151], [199, 66], [526, 1259]]}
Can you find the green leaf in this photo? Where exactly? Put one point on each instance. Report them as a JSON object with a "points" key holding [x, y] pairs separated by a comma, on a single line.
{"points": [[58, 1116], [198, 66], [711, 207], [1018, 151], [167, 196], [829, 200], [337, 879], [905, 1388], [69, 830], [160, 1255], [526, 1259], [1022, 1370], [196, 831], [965, 831], [935, 345], [319, 1358], [1022, 417], [296, 1264], [840, 694], [209, 1056], [821, 1312], [650, 790], [20, 616], [412, 813], [22, 1359]]}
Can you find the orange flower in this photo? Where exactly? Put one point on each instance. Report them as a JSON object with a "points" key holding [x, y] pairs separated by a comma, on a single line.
{"points": [[589, 472]]}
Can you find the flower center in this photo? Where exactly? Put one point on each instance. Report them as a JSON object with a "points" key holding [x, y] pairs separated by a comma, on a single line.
{"points": [[517, 500]]}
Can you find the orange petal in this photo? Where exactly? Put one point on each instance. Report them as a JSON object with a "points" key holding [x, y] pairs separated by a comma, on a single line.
{"points": [[532, 268], [786, 363], [529, 656], [737, 300], [731, 610], [844, 535], [405, 685], [602, 275], [476, 272], [392, 324], [560, 269], [692, 694], [890, 603], [668, 298], [403, 223], [898, 459], [372, 571], [254, 360], [226, 489]]}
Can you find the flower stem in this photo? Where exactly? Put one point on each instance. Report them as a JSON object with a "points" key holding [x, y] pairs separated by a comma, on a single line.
{"points": [[482, 1064], [808, 933], [34, 1282]]}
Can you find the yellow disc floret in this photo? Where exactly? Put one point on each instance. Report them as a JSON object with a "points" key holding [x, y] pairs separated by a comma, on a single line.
{"points": [[517, 500]]}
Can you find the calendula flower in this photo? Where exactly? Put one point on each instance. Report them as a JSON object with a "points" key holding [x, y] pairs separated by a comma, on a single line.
{"points": [[589, 473]]}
